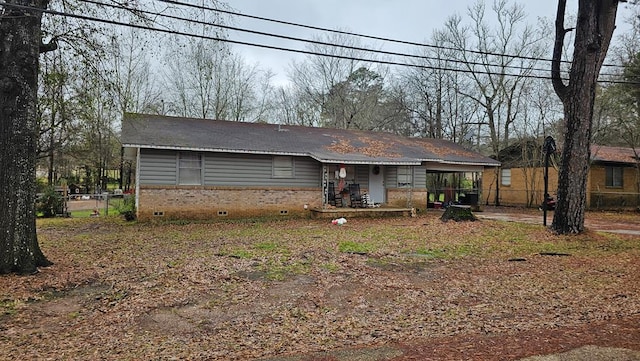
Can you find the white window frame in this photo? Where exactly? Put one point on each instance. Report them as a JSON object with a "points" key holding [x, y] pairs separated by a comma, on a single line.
{"points": [[405, 176], [282, 167], [505, 177], [189, 164]]}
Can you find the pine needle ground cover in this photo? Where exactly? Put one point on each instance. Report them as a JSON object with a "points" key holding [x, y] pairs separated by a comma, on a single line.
{"points": [[265, 289]]}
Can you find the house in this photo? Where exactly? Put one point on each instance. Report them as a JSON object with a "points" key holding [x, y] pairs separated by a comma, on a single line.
{"points": [[612, 181], [200, 168]]}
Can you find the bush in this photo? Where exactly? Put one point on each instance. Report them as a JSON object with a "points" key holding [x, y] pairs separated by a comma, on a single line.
{"points": [[50, 203], [127, 207]]}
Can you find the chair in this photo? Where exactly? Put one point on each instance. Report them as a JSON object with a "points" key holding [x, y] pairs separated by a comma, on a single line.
{"points": [[355, 196], [333, 198]]}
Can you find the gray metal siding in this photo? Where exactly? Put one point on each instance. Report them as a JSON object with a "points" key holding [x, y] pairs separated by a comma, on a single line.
{"points": [[419, 177], [362, 175], [391, 176], [257, 170], [158, 167]]}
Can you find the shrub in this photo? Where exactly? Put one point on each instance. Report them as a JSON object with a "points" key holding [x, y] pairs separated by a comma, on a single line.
{"points": [[50, 203], [127, 207]]}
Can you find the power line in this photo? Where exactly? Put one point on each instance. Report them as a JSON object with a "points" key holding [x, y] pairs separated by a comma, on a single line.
{"points": [[342, 32], [272, 47], [180, 33], [421, 57], [286, 37]]}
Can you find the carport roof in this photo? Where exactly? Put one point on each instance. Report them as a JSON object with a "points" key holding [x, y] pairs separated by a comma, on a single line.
{"points": [[326, 145]]}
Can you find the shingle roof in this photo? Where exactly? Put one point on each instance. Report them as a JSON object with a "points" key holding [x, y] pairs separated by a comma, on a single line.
{"points": [[323, 144], [602, 153]]}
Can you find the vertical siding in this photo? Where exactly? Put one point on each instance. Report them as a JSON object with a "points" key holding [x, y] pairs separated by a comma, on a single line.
{"points": [[158, 167]]}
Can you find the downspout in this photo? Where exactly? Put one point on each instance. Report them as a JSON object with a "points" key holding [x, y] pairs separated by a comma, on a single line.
{"points": [[137, 192]]}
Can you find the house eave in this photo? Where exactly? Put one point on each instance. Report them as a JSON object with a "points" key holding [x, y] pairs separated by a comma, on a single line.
{"points": [[215, 150]]}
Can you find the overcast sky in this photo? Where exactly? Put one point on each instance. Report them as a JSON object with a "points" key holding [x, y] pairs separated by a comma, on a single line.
{"points": [[407, 20]]}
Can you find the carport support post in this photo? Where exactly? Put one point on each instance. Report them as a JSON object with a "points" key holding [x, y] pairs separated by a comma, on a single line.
{"points": [[548, 148]]}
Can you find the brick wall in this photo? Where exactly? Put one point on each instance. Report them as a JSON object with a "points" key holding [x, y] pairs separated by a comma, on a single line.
{"points": [[599, 196], [195, 202], [527, 187], [398, 197], [603, 197]]}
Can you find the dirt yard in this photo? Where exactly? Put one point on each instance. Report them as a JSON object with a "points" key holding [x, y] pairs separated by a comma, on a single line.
{"points": [[390, 289]]}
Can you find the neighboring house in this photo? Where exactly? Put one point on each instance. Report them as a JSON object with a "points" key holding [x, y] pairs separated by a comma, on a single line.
{"points": [[199, 168], [612, 181]]}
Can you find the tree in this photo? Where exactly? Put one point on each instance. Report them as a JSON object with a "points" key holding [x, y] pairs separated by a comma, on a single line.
{"points": [[593, 32], [500, 69], [354, 102], [316, 81], [20, 46]]}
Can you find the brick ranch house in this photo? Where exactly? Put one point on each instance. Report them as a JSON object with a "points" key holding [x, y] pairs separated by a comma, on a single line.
{"points": [[613, 181], [198, 168]]}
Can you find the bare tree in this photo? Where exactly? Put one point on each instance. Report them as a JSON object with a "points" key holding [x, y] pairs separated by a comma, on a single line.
{"points": [[499, 67], [320, 79], [593, 32], [210, 81], [131, 81], [433, 95]]}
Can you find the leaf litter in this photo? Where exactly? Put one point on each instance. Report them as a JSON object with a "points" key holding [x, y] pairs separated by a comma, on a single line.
{"points": [[237, 291]]}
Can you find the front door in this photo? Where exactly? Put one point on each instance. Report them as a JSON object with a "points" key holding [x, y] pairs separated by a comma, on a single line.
{"points": [[376, 184]]}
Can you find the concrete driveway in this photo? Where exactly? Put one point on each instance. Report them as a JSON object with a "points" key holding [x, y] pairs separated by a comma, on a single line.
{"points": [[592, 220]]}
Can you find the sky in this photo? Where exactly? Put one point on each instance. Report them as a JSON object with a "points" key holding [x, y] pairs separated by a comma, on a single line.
{"points": [[407, 20]]}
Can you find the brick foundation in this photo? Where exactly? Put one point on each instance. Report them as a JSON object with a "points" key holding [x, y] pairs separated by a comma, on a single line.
{"points": [[194, 202], [399, 197]]}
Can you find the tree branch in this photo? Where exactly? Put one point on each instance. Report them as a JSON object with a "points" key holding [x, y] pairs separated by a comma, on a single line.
{"points": [[556, 79], [50, 46]]}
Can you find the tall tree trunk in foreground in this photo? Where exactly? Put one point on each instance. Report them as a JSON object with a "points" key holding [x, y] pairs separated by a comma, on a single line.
{"points": [[20, 46], [594, 29]]}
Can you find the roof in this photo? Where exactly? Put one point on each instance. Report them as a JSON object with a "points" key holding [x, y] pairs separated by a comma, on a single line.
{"points": [[606, 154], [326, 145]]}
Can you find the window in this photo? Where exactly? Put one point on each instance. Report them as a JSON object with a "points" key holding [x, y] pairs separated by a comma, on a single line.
{"points": [[282, 167], [190, 169], [506, 177], [614, 177], [405, 176]]}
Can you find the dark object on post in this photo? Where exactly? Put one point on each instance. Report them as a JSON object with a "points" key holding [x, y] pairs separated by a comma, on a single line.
{"points": [[549, 203], [458, 213], [549, 147]]}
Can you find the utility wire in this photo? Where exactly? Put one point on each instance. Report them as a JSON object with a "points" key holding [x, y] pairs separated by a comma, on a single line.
{"points": [[317, 42], [180, 33], [342, 32], [307, 52]]}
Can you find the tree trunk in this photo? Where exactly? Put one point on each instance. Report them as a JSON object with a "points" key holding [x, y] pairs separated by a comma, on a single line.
{"points": [[20, 41], [594, 29]]}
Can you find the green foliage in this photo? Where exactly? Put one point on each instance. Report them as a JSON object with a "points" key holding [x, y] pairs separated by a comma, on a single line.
{"points": [[127, 208], [355, 247], [50, 203]]}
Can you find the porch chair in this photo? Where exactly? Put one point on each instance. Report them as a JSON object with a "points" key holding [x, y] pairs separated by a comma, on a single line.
{"points": [[333, 198], [355, 196]]}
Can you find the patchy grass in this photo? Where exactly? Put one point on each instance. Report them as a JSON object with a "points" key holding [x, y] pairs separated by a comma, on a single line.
{"points": [[249, 289]]}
